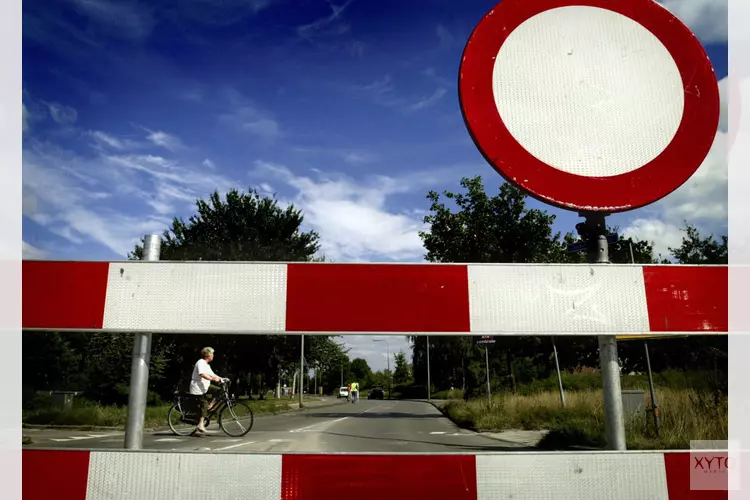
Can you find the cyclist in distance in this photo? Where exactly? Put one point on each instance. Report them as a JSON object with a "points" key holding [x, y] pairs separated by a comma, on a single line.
{"points": [[200, 386]]}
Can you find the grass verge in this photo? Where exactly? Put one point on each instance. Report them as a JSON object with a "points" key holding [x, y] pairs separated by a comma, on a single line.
{"points": [[685, 415], [90, 414]]}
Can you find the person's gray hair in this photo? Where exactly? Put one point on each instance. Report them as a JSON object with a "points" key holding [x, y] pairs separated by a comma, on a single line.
{"points": [[206, 351]]}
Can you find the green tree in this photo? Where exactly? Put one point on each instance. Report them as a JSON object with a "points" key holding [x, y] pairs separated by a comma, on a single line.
{"points": [[402, 371], [242, 227], [695, 249], [489, 229], [361, 372]]}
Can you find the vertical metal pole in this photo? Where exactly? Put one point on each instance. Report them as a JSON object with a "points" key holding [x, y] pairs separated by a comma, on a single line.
{"points": [[301, 369], [342, 375], [614, 422], [559, 376], [390, 376], [138, 396], [429, 384], [654, 405], [632, 257], [487, 362]]}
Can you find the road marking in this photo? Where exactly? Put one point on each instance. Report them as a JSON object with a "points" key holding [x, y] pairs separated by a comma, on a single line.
{"points": [[437, 432], [234, 446], [169, 440], [79, 438], [225, 440], [309, 427]]}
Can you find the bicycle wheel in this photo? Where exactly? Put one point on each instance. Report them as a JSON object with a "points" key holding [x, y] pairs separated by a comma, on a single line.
{"points": [[179, 423], [236, 415]]}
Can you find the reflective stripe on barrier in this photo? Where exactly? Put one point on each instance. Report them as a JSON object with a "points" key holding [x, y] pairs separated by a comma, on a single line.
{"points": [[116, 475], [237, 297]]}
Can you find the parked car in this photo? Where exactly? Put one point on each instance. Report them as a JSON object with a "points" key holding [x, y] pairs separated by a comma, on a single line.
{"points": [[343, 392], [376, 393]]}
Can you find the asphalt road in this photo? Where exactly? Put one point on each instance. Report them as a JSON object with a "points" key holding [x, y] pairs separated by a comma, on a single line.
{"points": [[364, 427]]}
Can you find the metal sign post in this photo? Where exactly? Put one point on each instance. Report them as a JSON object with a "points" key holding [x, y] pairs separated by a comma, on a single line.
{"points": [[559, 375], [301, 369], [138, 396], [594, 231], [485, 340], [429, 384], [613, 111]]}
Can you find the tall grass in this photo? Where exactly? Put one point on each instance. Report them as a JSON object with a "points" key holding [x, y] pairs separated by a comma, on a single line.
{"points": [[90, 414], [686, 414]]}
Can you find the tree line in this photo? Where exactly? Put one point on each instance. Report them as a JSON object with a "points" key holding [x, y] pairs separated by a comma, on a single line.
{"points": [[245, 226], [501, 229]]}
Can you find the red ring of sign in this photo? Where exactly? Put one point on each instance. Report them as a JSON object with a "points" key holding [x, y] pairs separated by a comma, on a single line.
{"points": [[645, 185]]}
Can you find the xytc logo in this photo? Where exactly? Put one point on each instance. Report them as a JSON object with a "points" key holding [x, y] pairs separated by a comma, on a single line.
{"points": [[712, 464]]}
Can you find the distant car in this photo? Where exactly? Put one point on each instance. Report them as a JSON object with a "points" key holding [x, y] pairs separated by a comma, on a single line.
{"points": [[376, 393], [343, 392]]}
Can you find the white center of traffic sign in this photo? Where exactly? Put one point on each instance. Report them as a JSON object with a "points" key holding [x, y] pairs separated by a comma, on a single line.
{"points": [[589, 105], [606, 86]]}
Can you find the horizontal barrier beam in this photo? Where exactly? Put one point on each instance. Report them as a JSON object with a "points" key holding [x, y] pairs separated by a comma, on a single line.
{"points": [[325, 298], [84, 475]]}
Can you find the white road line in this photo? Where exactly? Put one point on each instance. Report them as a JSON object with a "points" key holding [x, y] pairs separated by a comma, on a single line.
{"points": [[437, 432], [309, 427], [225, 440], [234, 446], [79, 438], [169, 440]]}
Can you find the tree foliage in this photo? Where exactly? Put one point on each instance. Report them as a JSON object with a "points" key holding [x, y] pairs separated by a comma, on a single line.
{"points": [[239, 227], [501, 229], [242, 227], [402, 371]]}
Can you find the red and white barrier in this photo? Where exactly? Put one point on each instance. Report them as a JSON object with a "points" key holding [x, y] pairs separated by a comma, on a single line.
{"points": [[84, 475], [236, 297]]}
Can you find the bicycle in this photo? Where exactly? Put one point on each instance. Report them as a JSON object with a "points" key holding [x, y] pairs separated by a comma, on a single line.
{"points": [[186, 407]]}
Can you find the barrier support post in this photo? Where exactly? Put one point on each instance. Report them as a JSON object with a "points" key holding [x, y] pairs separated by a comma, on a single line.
{"points": [[594, 230], [139, 371]]}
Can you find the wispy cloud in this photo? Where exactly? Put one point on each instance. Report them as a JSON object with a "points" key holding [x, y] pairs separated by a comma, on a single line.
{"points": [[445, 36], [708, 19], [63, 115], [349, 156], [109, 198], [131, 20], [384, 93], [34, 253], [331, 25], [428, 101], [164, 140], [245, 116], [209, 164]]}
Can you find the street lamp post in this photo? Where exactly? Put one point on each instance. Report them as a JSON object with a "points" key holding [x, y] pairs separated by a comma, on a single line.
{"points": [[388, 358]]}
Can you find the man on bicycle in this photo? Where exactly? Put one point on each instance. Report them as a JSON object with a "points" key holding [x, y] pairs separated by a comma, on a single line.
{"points": [[200, 386]]}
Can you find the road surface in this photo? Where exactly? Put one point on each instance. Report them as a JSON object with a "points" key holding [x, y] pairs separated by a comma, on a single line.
{"points": [[364, 427]]}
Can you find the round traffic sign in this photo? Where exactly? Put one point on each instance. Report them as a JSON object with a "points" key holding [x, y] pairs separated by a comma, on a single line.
{"points": [[589, 105]]}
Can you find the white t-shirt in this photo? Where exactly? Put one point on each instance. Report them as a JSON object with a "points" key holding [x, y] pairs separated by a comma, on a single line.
{"points": [[198, 384]]}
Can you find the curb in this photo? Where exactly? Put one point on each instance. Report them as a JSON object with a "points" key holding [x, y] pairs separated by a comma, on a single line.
{"points": [[291, 409], [483, 434]]}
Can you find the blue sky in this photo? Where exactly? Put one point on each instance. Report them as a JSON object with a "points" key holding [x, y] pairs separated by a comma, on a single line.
{"points": [[347, 109]]}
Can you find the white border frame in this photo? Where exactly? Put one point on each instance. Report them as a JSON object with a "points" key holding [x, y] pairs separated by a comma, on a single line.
{"points": [[739, 238], [11, 88]]}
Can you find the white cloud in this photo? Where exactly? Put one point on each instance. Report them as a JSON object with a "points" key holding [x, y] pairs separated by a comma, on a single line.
{"points": [[209, 164], [363, 346], [353, 216], [701, 201], [164, 140], [708, 19], [109, 199], [34, 253], [63, 115]]}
